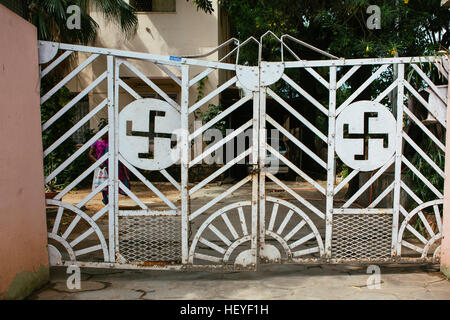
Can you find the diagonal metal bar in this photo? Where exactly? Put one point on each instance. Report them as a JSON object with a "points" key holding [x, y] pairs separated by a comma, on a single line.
{"points": [[221, 142], [57, 220], [422, 177], [69, 77], [152, 85], [219, 198], [77, 153], [219, 171], [94, 166], [88, 250], [77, 126], [169, 73], [242, 220], [425, 103], [230, 226], [300, 90], [74, 101], [429, 82], [212, 245], [296, 169], [55, 63], [423, 155], [410, 193], [296, 141], [296, 195], [285, 222], [273, 216], [386, 91], [382, 195], [362, 88], [368, 183], [424, 128], [128, 89], [147, 183], [219, 117], [318, 77], [171, 179], [345, 181], [77, 218], [132, 196], [212, 94], [91, 230], [219, 234], [297, 228], [346, 76]]}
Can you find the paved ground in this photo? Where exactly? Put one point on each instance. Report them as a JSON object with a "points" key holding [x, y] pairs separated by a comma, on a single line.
{"points": [[271, 282]]}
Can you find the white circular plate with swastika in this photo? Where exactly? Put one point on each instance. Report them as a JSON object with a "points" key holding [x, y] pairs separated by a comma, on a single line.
{"points": [[365, 135], [147, 134]]}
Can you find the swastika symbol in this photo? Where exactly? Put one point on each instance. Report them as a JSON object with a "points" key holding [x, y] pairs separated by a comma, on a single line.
{"points": [[148, 134], [366, 136], [151, 134]]}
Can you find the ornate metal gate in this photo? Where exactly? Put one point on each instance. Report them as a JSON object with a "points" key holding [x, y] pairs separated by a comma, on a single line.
{"points": [[243, 225]]}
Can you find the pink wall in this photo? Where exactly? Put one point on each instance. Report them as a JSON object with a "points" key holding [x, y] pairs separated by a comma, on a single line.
{"points": [[23, 240], [445, 244]]}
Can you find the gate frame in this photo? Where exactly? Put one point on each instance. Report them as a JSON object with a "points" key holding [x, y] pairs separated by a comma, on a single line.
{"points": [[48, 51]]}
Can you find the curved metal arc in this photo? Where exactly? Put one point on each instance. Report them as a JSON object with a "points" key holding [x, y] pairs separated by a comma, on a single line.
{"points": [[281, 241], [208, 221], [304, 217], [223, 44], [405, 223], [64, 243], [233, 246], [88, 219], [429, 244]]}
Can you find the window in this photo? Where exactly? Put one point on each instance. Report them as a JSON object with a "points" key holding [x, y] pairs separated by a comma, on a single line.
{"points": [[154, 5]]}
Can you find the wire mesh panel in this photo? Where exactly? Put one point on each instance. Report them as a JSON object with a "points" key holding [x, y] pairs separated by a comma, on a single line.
{"points": [[150, 238], [361, 236]]}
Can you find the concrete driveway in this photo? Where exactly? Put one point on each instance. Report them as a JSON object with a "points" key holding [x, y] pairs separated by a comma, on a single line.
{"points": [[270, 282]]}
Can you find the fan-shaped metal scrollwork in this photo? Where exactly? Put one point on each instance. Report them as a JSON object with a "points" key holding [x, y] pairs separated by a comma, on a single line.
{"points": [[75, 243], [426, 240]]}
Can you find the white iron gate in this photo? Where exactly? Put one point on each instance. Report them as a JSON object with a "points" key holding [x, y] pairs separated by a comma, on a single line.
{"points": [[200, 225]]}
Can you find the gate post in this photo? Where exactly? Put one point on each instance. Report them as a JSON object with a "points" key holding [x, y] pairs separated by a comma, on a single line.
{"points": [[445, 244], [113, 111], [330, 162], [185, 154]]}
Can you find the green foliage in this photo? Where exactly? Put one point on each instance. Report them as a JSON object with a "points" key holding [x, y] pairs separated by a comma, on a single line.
{"points": [[212, 110], [57, 129], [205, 5], [420, 188], [438, 157], [414, 28], [68, 147]]}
